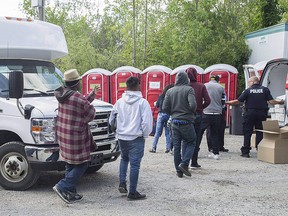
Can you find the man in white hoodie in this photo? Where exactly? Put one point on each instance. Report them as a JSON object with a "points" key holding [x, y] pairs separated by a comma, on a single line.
{"points": [[134, 124]]}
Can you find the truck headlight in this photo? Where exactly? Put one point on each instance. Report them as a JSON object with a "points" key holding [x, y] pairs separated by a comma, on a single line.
{"points": [[43, 130]]}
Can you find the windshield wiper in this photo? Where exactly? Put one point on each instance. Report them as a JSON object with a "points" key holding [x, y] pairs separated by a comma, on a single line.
{"points": [[51, 90], [42, 92]]}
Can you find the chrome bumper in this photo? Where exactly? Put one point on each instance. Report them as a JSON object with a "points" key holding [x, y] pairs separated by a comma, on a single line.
{"points": [[37, 155]]}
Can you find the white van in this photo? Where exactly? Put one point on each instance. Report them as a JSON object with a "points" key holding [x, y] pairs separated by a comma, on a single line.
{"points": [[274, 76], [28, 107]]}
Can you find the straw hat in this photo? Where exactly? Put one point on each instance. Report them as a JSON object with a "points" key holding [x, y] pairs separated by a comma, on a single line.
{"points": [[71, 75]]}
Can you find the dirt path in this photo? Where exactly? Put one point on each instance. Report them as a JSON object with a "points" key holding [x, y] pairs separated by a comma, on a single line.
{"points": [[231, 186]]}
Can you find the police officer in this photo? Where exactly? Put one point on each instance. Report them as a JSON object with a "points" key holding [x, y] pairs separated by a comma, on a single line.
{"points": [[255, 98]]}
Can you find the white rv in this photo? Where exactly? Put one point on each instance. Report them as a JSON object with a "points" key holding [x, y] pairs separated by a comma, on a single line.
{"points": [[28, 107]]}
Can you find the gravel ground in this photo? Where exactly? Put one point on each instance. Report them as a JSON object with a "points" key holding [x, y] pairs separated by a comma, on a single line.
{"points": [[231, 186]]}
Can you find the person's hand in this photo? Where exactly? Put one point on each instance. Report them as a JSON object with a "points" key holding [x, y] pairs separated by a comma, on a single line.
{"points": [[281, 102], [96, 89]]}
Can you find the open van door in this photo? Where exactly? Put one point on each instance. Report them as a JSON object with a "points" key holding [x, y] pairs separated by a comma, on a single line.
{"points": [[249, 71], [259, 67], [253, 70], [274, 76]]}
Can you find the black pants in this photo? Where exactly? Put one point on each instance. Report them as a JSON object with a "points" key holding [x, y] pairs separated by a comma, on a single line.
{"points": [[220, 136], [212, 121], [252, 118], [197, 127]]}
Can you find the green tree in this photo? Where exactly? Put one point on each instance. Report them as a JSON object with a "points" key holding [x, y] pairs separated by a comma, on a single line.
{"points": [[271, 13], [76, 19]]}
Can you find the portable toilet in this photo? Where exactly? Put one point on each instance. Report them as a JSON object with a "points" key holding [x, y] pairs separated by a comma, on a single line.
{"points": [[118, 81], [228, 79], [153, 80], [183, 68], [93, 77]]}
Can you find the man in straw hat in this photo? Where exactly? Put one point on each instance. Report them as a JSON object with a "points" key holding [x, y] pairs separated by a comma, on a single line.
{"points": [[73, 133]]}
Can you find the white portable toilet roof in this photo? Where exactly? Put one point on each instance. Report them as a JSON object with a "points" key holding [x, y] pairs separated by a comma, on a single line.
{"points": [[225, 67], [97, 70], [184, 67], [158, 67], [126, 69]]}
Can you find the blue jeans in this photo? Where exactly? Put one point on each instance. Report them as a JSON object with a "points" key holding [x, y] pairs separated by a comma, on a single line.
{"points": [[162, 119], [185, 133], [72, 174], [131, 151]]}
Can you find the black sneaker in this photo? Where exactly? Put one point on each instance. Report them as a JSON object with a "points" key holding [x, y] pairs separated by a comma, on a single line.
{"points": [[63, 195], [195, 165], [135, 196], [122, 188], [184, 169], [224, 150], [179, 174], [152, 150], [167, 151], [245, 155], [67, 196], [74, 197]]}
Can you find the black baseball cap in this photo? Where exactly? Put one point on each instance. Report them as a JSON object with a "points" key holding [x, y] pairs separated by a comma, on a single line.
{"points": [[215, 77]]}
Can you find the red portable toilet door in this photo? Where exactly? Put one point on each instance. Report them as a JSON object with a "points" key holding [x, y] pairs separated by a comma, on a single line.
{"points": [[93, 80], [155, 83], [225, 81], [121, 78]]}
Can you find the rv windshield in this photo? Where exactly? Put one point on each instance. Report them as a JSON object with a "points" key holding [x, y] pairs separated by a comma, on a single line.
{"points": [[40, 77]]}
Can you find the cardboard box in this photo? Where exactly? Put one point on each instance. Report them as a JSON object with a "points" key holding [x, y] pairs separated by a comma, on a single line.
{"points": [[280, 117], [274, 146], [253, 140], [279, 106], [279, 110], [273, 116]]}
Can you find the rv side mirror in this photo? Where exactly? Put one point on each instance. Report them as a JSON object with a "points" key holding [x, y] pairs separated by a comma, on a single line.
{"points": [[16, 84]]}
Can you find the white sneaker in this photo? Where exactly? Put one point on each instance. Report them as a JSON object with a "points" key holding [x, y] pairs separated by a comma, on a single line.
{"points": [[213, 156]]}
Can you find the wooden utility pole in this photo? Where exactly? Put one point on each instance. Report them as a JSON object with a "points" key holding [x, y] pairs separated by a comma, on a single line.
{"points": [[134, 36], [145, 33], [40, 4]]}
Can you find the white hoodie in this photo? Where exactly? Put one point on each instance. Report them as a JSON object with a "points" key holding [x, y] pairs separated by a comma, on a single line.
{"points": [[134, 116]]}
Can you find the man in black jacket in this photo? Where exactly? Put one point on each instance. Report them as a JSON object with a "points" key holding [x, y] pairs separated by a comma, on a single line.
{"points": [[180, 103]]}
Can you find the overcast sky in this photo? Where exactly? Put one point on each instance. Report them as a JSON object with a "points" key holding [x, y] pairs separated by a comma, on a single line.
{"points": [[11, 7]]}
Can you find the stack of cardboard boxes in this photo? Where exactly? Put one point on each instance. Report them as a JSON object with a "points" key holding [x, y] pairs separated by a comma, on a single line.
{"points": [[274, 146], [278, 113]]}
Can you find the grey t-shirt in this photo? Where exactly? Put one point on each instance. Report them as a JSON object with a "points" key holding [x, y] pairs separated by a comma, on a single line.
{"points": [[215, 91]]}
